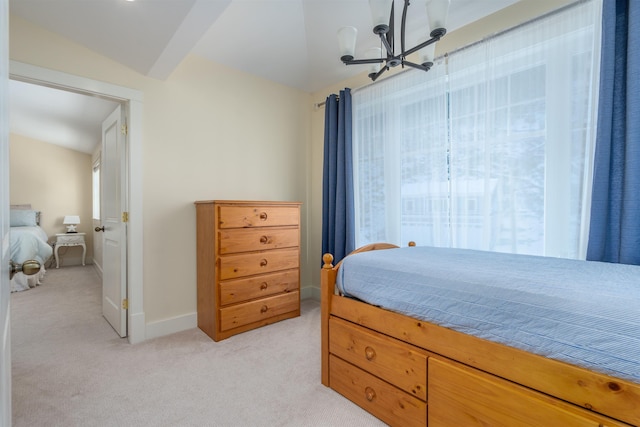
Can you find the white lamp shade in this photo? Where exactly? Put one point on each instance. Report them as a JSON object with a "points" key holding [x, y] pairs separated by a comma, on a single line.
{"points": [[437, 11], [71, 219], [347, 41], [380, 11], [427, 53], [374, 52]]}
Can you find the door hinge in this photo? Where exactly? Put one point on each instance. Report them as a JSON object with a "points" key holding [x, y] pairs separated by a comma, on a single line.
{"points": [[124, 129], [125, 304], [125, 216]]}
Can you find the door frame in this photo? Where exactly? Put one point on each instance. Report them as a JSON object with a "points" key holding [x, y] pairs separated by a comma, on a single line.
{"points": [[133, 101]]}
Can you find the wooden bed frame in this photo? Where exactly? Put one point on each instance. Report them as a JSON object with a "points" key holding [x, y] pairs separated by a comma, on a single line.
{"points": [[409, 372]]}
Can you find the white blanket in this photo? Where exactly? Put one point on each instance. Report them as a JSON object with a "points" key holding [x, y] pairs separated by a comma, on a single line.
{"points": [[28, 243]]}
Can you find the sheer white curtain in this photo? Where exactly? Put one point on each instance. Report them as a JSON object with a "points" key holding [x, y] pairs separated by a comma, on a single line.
{"points": [[492, 150], [400, 159], [522, 109]]}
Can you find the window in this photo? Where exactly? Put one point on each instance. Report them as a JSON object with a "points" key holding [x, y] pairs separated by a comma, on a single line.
{"points": [[96, 190], [491, 149]]}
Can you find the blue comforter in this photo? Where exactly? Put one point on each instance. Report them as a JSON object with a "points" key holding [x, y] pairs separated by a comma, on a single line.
{"points": [[581, 312]]}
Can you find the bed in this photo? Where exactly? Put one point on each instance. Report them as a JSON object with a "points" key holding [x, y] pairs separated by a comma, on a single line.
{"points": [[28, 241], [490, 339]]}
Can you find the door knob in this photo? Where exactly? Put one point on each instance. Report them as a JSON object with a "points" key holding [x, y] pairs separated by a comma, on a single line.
{"points": [[99, 228], [29, 268]]}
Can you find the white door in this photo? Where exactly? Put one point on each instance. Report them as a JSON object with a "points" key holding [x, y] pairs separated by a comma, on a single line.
{"points": [[113, 215], [5, 326]]}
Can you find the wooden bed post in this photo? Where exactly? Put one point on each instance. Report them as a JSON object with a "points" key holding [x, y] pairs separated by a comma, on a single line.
{"points": [[327, 285]]}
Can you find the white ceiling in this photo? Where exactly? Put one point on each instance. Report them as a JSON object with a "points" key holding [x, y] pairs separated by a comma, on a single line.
{"points": [[292, 42]]}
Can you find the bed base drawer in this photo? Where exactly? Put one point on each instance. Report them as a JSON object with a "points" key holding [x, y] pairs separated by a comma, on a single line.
{"points": [[390, 404], [396, 362], [463, 396]]}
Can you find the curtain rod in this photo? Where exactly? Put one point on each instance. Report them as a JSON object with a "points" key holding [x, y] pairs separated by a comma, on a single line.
{"points": [[321, 104]]}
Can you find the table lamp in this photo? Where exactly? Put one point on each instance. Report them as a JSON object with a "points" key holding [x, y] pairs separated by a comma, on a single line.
{"points": [[71, 221]]}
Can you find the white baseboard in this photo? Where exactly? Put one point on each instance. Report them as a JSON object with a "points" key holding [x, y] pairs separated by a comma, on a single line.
{"points": [[170, 326], [98, 269]]}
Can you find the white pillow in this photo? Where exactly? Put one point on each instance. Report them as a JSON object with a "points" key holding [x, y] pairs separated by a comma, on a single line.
{"points": [[23, 218]]}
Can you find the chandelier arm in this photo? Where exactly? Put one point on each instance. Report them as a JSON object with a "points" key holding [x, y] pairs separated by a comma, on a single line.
{"points": [[386, 44], [427, 43], [388, 41], [402, 27], [364, 61], [418, 66], [378, 74]]}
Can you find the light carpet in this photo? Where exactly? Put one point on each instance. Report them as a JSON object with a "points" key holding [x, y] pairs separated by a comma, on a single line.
{"points": [[71, 369]]}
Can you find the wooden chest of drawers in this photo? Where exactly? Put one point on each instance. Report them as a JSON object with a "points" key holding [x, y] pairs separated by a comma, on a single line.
{"points": [[248, 256]]}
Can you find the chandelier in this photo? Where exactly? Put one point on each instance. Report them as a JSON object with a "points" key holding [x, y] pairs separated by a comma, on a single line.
{"points": [[383, 26]]}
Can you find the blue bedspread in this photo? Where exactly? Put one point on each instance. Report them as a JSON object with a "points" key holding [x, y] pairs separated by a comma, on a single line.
{"points": [[581, 312]]}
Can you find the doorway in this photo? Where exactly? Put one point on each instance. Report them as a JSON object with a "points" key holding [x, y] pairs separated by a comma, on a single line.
{"points": [[132, 100]]}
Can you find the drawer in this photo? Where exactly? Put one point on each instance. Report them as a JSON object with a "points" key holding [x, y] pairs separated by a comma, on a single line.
{"points": [[390, 404], [257, 216], [234, 291], [242, 314], [240, 265], [458, 393], [399, 363], [71, 239], [256, 239]]}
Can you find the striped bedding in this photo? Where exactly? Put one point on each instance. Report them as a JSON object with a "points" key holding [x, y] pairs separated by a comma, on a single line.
{"points": [[582, 312]]}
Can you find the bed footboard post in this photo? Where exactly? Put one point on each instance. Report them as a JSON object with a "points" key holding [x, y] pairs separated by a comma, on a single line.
{"points": [[327, 286]]}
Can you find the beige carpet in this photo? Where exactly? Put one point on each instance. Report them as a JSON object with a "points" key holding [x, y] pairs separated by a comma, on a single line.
{"points": [[71, 369]]}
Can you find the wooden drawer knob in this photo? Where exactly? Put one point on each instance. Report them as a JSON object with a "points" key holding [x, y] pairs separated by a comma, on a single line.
{"points": [[263, 262], [264, 309], [264, 239], [263, 286], [263, 216], [369, 353], [370, 394]]}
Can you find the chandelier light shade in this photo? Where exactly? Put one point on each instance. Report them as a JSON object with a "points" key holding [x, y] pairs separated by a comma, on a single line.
{"points": [[374, 52], [382, 12], [427, 53], [347, 40], [437, 11]]}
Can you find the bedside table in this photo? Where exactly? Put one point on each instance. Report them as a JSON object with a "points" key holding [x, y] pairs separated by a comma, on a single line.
{"points": [[70, 239]]}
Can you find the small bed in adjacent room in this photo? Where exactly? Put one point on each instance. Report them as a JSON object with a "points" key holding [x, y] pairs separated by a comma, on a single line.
{"points": [[449, 337], [28, 241]]}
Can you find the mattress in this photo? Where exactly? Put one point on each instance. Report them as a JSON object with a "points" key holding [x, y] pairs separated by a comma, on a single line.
{"points": [[582, 312]]}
